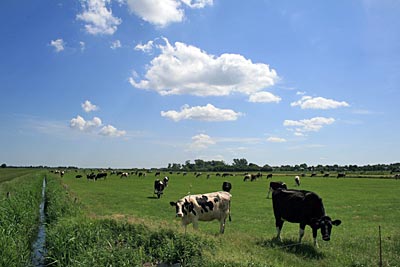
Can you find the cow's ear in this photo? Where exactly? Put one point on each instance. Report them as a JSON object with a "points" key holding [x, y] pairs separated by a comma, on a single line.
{"points": [[172, 203], [336, 222]]}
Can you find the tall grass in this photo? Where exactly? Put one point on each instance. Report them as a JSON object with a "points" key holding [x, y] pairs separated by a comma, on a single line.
{"points": [[76, 240], [19, 216]]}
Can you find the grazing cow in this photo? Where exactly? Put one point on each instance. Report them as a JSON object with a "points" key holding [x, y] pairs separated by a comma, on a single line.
{"points": [[269, 176], [101, 175], [303, 207], [91, 176], [341, 175], [397, 176], [204, 207], [297, 180], [158, 173], [124, 174], [166, 180], [326, 175], [159, 187], [247, 177], [275, 186], [313, 174], [78, 176], [226, 186]]}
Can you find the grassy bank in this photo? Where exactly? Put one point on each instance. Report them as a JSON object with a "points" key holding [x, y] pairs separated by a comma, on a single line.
{"points": [[18, 214]]}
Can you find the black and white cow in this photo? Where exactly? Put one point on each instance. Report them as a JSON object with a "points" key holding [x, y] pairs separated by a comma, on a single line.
{"points": [[204, 207], [303, 207], [166, 180], [297, 180], [275, 186], [159, 187]]}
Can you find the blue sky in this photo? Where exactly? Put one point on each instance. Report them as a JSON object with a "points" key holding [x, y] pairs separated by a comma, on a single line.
{"points": [[144, 83]]}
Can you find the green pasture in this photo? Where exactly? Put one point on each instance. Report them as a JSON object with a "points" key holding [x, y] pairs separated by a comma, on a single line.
{"points": [[362, 204]]}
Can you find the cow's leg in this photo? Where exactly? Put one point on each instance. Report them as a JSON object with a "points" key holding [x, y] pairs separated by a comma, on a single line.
{"points": [[301, 231], [278, 224], [314, 234], [222, 225]]}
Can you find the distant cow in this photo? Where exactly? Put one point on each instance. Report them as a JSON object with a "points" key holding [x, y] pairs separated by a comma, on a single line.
{"points": [[124, 174], [341, 175], [204, 207], [269, 176], [101, 175], [159, 187], [226, 186], [275, 186], [166, 180], [78, 176], [247, 177], [326, 175], [297, 180], [91, 176], [305, 208]]}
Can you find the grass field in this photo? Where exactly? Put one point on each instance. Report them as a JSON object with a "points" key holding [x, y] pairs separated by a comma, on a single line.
{"points": [[362, 204]]}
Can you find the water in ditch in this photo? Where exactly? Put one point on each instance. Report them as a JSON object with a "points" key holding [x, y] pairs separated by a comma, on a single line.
{"points": [[38, 247]]}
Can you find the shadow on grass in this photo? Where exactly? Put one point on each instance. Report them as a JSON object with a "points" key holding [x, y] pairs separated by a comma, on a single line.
{"points": [[153, 197], [291, 246]]}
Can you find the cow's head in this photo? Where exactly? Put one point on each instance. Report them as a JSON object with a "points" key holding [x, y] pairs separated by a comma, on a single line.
{"points": [[183, 207], [325, 223]]}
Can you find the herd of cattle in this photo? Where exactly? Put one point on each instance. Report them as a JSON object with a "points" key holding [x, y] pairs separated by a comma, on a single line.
{"points": [[292, 205]]}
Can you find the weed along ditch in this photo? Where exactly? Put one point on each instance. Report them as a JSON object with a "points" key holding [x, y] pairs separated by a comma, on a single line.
{"points": [[38, 247]]}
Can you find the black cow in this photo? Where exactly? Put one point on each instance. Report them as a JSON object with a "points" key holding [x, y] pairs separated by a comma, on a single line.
{"points": [[341, 175], [101, 175], [304, 207], [159, 187], [275, 186], [269, 176], [226, 186]]}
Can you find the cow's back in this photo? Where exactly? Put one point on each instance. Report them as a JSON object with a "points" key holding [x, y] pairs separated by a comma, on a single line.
{"points": [[212, 205], [296, 205]]}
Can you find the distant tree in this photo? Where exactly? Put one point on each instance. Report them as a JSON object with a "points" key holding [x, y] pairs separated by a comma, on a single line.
{"points": [[3, 165]]}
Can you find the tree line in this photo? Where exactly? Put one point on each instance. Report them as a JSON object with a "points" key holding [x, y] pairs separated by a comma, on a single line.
{"points": [[239, 165]]}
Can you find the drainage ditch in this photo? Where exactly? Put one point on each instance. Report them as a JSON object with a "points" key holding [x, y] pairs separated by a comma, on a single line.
{"points": [[38, 247]]}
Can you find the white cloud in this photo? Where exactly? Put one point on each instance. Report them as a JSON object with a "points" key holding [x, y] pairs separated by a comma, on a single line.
{"points": [[58, 44], [159, 13], [116, 44], [88, 106], [99, 20], [276, 139], [81, 124], [308, 102], [110, 130], [202, 113], [146, 48], [201, 141], [198, 3], [82, 45], [185, 69], [264, 97], [308, 125]]}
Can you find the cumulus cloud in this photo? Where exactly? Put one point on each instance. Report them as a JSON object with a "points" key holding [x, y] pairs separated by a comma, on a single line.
{"points": [[159, 13], [198, 3], [110, 130], [116, 44], [88, 106], [81, 124], [276, 139], [82, 45], [146, 48], [308, 102], [185, 69], [201, 113], [201, 141], [98, 18], [308, 125], [58, 45], [264, 97]]}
